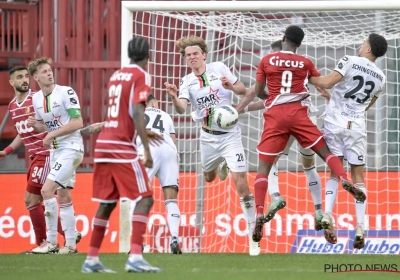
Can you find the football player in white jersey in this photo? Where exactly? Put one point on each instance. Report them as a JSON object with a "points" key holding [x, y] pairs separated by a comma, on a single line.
{"points": [[307, 155], [357, 83], [207, 88], [165, 165], [57, 111]]}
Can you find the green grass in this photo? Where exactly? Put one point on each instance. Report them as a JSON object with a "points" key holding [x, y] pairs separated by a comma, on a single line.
{"points": [[197, 266]]}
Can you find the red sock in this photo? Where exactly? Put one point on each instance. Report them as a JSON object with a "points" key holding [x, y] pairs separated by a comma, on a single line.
{"points": [[260, 190], [139, 222], [38, 222], [335, 165], [99, 228]]}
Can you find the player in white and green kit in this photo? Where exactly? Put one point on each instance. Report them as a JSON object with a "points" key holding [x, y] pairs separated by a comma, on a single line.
{"points": [[57, 111]]}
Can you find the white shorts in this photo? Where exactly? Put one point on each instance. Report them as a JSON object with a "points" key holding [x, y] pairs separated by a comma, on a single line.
{"points": [[347, 143], [63, 163], [307, 153], [216, 148], [165, 165]]}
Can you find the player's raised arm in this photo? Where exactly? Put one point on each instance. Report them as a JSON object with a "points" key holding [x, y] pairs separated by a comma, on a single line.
{"points": [[179, 103], [326, 81]]}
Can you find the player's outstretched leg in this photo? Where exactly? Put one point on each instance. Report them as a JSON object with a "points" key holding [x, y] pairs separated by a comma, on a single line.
{"points": [[92, 263], [136, 262], [336, 167]]}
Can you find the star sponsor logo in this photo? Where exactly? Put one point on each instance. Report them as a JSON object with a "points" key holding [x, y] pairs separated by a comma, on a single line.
{"points": [[211, 99], [55, 123]]}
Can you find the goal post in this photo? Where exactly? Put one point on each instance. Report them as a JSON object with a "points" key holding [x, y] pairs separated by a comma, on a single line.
{"points": [[238, 33]]}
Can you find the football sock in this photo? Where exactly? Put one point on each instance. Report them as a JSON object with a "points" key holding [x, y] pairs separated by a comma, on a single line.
{"points": [[139, 222], [99, 229], [51, 217], [67, 215], [247, 204], [360, 206], [38, 222], [273, 183], [173, 217], [260, 191], [335, 165], [314, 185], [330, 194]]}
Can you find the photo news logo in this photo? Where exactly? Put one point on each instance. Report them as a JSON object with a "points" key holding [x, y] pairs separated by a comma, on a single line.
{"points": [[353, 267]]}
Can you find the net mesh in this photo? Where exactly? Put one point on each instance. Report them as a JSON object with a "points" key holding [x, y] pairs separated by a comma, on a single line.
{"points": [[240, 40]]}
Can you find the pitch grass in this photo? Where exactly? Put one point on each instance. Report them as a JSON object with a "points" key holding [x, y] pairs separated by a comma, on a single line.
{"points": [[197, 266]]}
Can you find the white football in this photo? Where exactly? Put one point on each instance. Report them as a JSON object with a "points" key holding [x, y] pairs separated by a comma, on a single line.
{"points": [[226, 117]]}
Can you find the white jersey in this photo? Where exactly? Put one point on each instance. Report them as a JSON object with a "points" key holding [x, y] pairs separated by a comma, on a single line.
{"points": [[159, 122], [56, 110], [206, 93], [362, 80]]}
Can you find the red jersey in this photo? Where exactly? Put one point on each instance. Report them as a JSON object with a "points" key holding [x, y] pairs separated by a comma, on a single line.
{"points": [[286, 74], [19, 113], [117, 140]]}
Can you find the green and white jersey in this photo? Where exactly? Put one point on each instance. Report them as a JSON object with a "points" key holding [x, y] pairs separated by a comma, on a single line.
{"points": [[56, 110]]}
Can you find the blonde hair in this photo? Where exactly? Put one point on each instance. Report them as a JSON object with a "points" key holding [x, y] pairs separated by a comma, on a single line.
{"points": [[34, 65], [185, 42]]}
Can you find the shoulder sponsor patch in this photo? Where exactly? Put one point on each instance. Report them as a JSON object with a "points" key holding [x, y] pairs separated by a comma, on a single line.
{"points": [[71, 91], [73, 101]]}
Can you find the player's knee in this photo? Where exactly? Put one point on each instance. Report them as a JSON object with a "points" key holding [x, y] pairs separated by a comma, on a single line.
{"points": [[31, 199], [105, 209]]}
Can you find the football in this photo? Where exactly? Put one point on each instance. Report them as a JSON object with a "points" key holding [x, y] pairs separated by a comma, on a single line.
{"points": [[226, 117]]}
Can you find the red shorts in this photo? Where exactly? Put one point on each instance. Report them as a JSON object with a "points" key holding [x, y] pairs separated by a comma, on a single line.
{"points": [[281, 121], [113, 181], [37, 173]]}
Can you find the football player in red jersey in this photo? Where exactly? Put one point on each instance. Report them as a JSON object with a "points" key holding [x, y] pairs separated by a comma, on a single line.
{"points": [[118, 172], [284, 74]]}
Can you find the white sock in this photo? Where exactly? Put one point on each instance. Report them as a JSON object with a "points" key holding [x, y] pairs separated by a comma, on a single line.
{"points": [[67, 215], [249, 211], [51, 217], [135, 257], [360, 206], [93, 259], [273, 184], [330, 194], [173, 217], [314, 185]]}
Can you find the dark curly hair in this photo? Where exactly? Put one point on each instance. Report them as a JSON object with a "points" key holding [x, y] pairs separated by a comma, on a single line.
{"points": [[378, 44], [294, 34], [138, 49]]}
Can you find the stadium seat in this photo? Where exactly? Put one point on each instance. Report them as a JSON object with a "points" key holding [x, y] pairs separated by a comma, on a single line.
{"points": [[9, 131], [6, 91]]}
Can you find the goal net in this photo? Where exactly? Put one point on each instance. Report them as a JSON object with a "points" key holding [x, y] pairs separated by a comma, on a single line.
{"points": [[211, 216]]}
